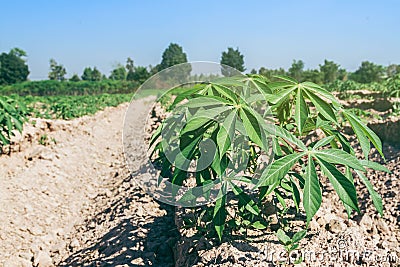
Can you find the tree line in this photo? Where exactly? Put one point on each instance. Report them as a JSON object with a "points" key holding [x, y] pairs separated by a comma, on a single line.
{"points": [[14, 69]]}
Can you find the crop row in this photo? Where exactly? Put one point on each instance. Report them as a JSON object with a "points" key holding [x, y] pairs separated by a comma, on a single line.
{"points": [[53, 88]]}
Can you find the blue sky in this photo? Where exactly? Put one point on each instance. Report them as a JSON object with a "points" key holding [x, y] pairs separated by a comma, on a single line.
{"points": [[269, 33]]}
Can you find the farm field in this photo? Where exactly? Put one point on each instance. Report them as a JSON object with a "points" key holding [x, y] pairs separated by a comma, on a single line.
{"points": [[74, 140], [260, 134]]}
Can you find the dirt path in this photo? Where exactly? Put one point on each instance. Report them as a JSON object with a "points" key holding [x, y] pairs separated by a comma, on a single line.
{"points": [[73, 200]]}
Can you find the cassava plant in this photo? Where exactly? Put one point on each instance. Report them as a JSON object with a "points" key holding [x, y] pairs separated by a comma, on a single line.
{"points": [[228, 126], [12, 117]]}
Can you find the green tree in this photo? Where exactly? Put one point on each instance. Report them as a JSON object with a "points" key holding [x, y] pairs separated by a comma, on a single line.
{"points": [[141, 74], [90, 74], [368, 72], [314, 76], [232, 58], [174, 55], [75, 78], [330, 71], [96, 75], [57, 71], [392, 70], [270, 73], [154, 69], [342, 75], [119, 73], [131, 69], [296, 70], [13, 67], [18, 52], [87, 74]]}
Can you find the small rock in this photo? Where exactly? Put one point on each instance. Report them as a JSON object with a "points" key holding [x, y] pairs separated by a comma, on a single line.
{"points": [[335, 226], [140, 212], [321, 221], [314, 225], [367, 222], [42, 259], [382, 226], [35, 230], [74, 243], [92, 225], [26, 255], [108, 193]]}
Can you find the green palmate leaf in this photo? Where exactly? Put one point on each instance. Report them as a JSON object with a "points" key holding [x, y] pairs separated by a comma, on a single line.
{"points": [[374, 165], [219, 215], [253, 126], [255, 98], [301, 112], [244, 200], [323, 107], [288, 79], [226, 133], [324, 142], [211, 113], [318, 90], [17, 123], [276, 147], [226, 92], [312, 196], [259, 225], [177, 180], [282, 95], [349, 176], [295, 194], [299, 236], [277, 131], [219, 165], [3, 139], [205, 101], [188, 145], [363, 132], [338, 156], [237, 81], [362, 138], [183, 95], [278, 169], [283, 237], [9, 126], [199, 191], [266, 190], [285, 183], [155, 135], [195, 123], [342, 185], [280, 198], [260, 83], [376, 198]]}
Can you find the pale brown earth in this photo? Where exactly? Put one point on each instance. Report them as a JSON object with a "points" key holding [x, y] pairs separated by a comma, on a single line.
{"points": [[73, 202]]}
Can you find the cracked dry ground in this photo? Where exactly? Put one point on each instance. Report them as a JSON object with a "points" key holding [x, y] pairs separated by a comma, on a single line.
{"points": [[72, 202]]}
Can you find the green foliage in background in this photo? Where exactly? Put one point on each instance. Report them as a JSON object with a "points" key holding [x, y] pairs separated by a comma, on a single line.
{"points": [[54, 88], [232, 58], [12, 117], [57, 71], [69, 107], [13, 68]]}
